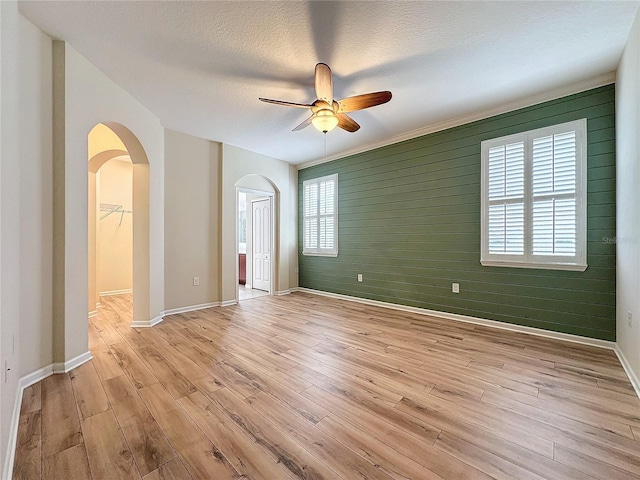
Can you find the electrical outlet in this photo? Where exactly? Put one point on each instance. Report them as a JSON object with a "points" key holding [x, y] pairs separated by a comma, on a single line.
{"points": [[629, 318], [196, 281], [455, 287], [359, 277]]}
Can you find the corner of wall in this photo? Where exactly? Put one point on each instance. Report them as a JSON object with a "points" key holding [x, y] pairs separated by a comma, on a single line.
{"points": [[633, 376], [59, 91], [628, 206]]}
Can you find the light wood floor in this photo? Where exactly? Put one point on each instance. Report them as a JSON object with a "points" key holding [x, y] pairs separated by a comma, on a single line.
{"points": [[303, 386]]}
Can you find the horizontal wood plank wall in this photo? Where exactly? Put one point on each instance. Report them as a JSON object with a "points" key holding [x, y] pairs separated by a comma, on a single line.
{"points": [[409, 221]]}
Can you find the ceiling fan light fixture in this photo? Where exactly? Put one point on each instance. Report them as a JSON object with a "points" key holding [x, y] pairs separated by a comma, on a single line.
{"points": [[328, 113], [325, 120]]}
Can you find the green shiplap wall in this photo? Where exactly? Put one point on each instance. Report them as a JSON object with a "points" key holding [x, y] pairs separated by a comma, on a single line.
{"points": [[409, 221]]}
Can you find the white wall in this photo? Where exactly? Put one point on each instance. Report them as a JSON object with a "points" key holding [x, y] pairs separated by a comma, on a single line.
{"points": [[43, 249], [9, 215], [237, 164], [84, 97], [200, 217], [115, 231], [628, 201], [192, 212], [25, 199], [35, 197]]}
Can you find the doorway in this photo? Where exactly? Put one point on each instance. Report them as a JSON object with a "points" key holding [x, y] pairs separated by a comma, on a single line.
{"points": [[255, 243], [110, 218], [118, 223]]}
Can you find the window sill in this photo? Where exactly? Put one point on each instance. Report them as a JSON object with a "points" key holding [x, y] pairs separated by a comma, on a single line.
{"points": [[572, 267], [319, 254]]}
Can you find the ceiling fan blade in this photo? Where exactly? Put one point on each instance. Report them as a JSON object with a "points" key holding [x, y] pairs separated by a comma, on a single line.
{"points": [[324, 83], [347, 123], [304, 124], [286, 104], [359, 102]]}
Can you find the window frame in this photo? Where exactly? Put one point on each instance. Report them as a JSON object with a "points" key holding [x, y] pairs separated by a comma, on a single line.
{"points": [[318, 251], [578, 262]]}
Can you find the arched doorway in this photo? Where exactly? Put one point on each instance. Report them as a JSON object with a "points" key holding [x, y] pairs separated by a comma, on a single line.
{"points": [[110, 141], [256, 239]]}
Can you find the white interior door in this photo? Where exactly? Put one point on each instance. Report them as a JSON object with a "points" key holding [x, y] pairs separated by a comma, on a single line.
{"points": [[261, 210]]}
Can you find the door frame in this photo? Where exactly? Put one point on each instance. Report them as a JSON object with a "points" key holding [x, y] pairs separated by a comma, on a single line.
{"points": [[271, 197]]}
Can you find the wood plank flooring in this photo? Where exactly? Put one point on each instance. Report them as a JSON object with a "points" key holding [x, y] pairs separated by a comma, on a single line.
{"points": [[307, 387]]}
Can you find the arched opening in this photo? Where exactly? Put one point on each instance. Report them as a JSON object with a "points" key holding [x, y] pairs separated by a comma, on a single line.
{"points": [[118, 219], [256, 237]]}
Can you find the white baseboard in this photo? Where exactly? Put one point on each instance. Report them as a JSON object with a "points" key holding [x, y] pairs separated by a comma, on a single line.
{"points": [[633, 378], [27, 381], [69, 365], [228, 303], [116, 292], [594, 342], [23, 383], [172, 311], [147, 323], [190, 308], [36, 376], [285, 292], [247, 286], [13, 436]]}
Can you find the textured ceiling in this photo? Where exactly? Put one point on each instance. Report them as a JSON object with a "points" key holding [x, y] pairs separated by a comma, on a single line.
{"points": [[201, 66]]}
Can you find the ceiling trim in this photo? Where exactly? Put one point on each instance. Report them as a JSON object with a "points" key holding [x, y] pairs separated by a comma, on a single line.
{"points": [[588, 84]]}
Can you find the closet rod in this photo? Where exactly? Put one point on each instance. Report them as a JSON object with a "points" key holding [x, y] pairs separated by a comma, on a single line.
{"points": [[113, 209]]}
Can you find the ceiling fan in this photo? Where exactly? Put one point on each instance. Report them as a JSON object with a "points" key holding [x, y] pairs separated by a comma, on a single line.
{"points": [[328, 113]]}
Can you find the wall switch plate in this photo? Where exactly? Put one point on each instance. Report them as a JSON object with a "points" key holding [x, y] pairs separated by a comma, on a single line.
{"points": [[629, 318], [196, 281], [359, 277], [455, 287]]}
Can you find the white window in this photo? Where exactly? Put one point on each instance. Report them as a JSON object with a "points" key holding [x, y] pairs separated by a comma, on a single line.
{"points": [[534, 205], [320, 206]]}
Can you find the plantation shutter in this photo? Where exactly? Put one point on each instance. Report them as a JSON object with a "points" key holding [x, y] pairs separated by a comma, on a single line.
{"points": [[311, 216], [534, 188], [320, 216], [554, 194], [326, 211], [506, 199]]}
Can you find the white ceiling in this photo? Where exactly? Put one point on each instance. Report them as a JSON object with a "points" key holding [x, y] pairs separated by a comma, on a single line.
{"points": [[201, 66]]}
